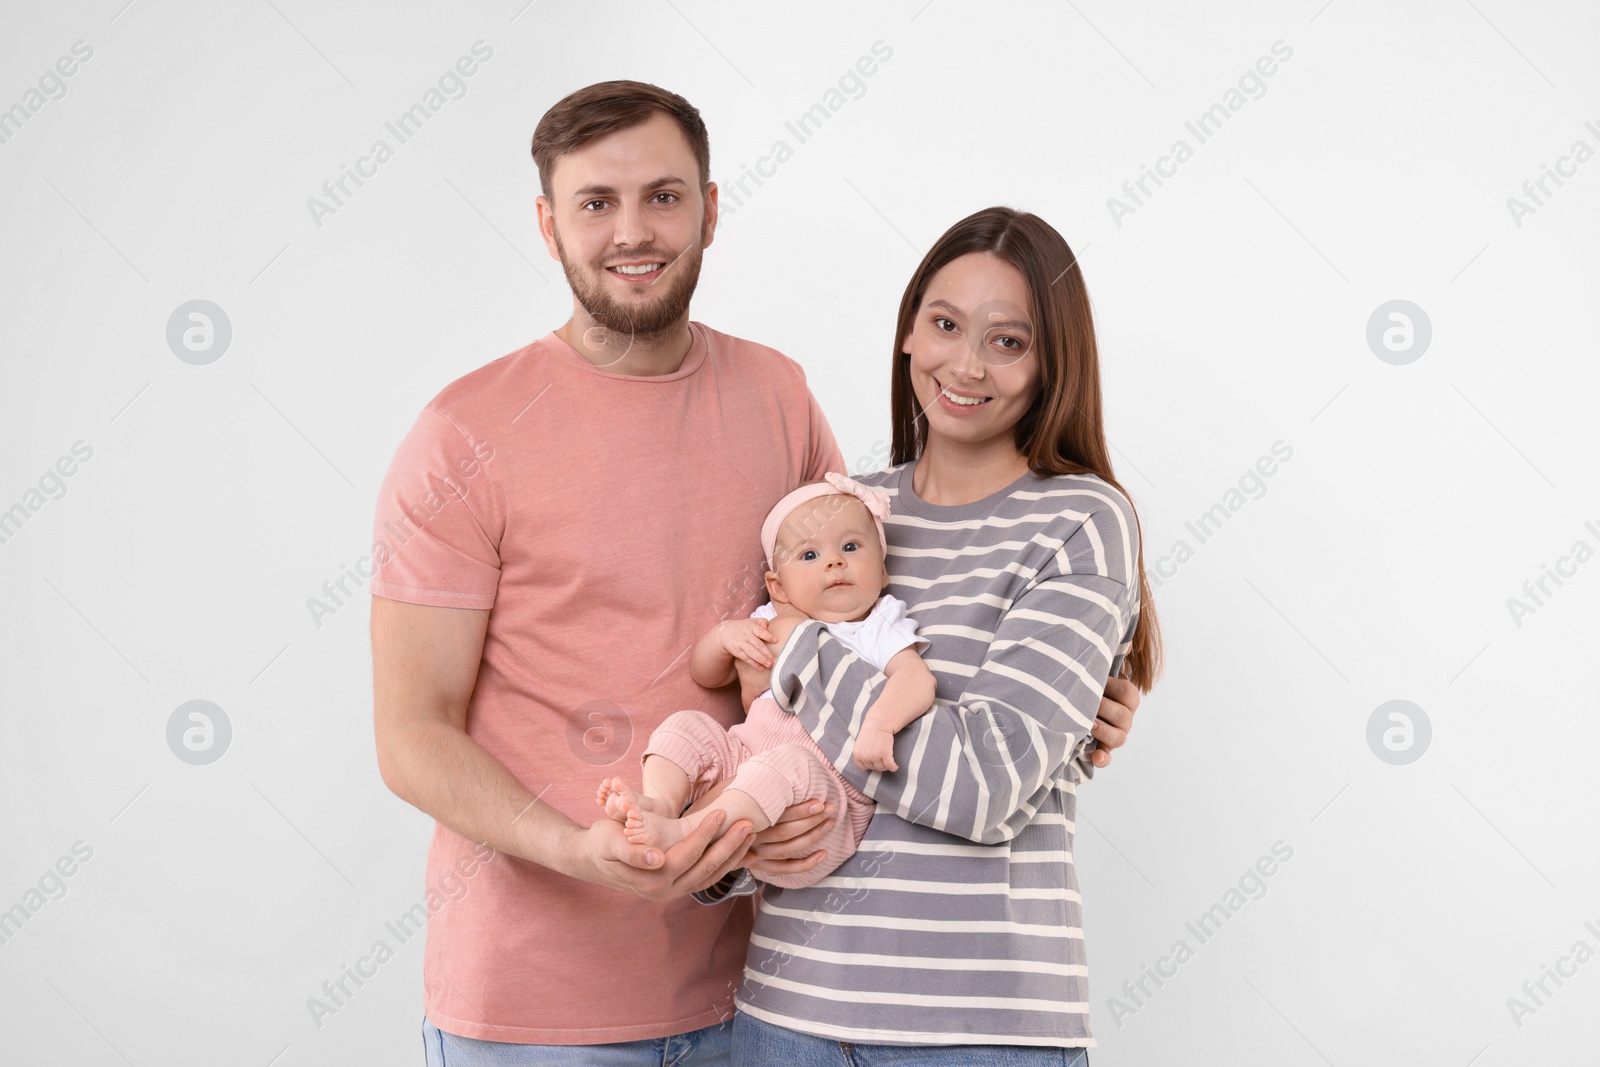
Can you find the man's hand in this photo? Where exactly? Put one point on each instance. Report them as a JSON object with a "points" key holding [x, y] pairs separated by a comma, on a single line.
{"points": [[1111, 728], [602, 854]]}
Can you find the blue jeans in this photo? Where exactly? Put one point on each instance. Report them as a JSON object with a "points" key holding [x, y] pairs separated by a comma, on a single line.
{"points": [[698, 1048], [761, 1044]]}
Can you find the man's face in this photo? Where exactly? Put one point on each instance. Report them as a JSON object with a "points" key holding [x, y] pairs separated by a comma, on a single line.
{"points": [[627, 219]]}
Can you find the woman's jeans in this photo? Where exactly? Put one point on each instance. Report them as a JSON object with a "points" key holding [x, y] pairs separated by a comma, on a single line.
{"points": [[761, 1044]]}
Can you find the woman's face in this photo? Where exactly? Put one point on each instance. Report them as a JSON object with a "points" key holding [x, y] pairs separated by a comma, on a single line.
{"points": [[973, 318]]}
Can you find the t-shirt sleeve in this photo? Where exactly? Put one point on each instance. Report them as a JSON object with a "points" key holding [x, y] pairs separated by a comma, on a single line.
{"points": [[890, 631], [436, 536], [822, 451]]}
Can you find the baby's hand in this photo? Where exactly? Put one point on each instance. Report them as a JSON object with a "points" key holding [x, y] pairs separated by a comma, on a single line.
{"points": [[875, 749], [746, 639]]}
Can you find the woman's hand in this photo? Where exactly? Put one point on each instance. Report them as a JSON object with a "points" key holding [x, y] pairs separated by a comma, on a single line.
{"points": [[1115, 719], [789, 845]]}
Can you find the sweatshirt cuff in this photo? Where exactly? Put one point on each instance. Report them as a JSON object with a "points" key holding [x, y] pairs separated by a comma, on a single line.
{"points": [[736, 883]]}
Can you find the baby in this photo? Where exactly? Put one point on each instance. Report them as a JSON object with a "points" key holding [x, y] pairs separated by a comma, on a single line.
{"points": [[825, 549]]}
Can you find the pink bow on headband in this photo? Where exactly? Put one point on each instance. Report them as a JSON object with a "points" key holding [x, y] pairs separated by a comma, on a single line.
{"points": [[877, 503]]}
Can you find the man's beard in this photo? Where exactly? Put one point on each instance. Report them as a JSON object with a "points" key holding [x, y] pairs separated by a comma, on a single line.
{"points": [[649, 320]]}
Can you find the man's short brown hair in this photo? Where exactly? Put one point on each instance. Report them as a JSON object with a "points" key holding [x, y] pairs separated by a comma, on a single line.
{"points": [[606, 107]]}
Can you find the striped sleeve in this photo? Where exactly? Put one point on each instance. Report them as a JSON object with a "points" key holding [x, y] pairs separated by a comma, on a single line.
{"points": [[1082, 768], [980, 768]]}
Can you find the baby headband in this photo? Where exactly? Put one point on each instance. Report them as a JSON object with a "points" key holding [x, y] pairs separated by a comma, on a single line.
{"points": [[877, 506]]}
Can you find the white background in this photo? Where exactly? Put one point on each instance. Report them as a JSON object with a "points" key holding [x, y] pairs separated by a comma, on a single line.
{"points": [[1232, 310]]}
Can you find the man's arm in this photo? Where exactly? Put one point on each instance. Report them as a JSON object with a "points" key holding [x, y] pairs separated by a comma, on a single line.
{"points": [[425, 664]]}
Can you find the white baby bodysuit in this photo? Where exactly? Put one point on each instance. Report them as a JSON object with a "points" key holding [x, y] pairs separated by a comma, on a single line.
{"points": [[877, 638]]}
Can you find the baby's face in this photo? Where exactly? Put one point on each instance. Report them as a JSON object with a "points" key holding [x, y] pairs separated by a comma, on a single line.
{"points": [[829, 560]]}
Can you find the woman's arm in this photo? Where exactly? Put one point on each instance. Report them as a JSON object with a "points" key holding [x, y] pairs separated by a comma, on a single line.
{"points": [[906, 697], [1111, 726], [979, 769], [1114, 723]]}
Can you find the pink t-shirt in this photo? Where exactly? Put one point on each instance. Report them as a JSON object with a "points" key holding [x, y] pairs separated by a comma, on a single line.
{"points": [[607, 521]]}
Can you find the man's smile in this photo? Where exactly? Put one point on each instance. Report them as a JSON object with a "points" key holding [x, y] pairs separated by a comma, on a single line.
{"points": [[644, 271]]}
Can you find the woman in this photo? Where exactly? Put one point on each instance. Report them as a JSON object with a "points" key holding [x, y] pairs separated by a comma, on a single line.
{"points": [[957, 923]]}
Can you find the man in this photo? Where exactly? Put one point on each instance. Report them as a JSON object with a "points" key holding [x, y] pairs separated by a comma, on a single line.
{"points": [[554, 533]]}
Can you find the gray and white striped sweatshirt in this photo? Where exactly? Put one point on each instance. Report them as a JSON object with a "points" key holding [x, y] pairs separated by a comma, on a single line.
{"points": [[958, 920]]}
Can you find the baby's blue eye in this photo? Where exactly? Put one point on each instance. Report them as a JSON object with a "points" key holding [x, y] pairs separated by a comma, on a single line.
{"points": [[809, 554], [851, 546]]}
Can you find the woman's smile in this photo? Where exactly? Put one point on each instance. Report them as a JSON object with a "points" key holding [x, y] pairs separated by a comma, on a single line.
{"points": [[957, 402]]}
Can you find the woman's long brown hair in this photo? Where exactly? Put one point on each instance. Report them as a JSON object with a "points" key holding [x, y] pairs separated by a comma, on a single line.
{"points": [[1063, 431]]}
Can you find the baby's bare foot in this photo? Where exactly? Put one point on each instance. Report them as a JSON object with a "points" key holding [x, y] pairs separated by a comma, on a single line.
{"points": [[648, 828], [617, 796]]}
